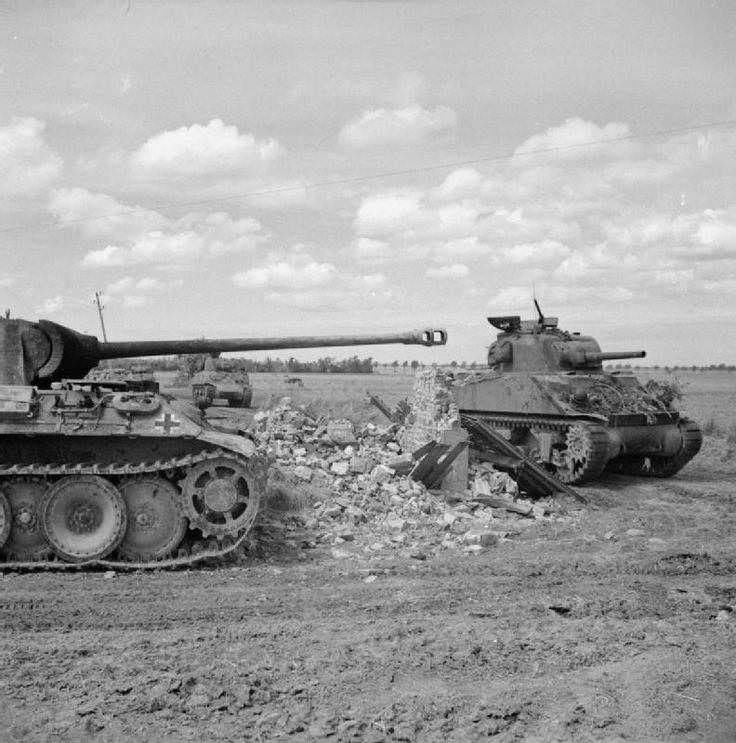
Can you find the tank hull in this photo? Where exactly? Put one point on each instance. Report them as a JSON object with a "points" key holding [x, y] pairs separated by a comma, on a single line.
{"points": [[123, 479], [579, 424]]}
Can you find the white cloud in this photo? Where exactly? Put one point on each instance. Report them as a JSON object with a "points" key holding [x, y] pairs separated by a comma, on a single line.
{"points": [[399, 127], [51, 305], [545, 251], [132, 293], [460, 183], [575, 139], [97, 214], [581, 228], [120, 286], [204, 150], [148, 237], [145, 284], [466, 249], [27, 166], [367, 250], [298, 280], [510, 299], [283, 275], [131, 301], [453, 271], [393, 212]]}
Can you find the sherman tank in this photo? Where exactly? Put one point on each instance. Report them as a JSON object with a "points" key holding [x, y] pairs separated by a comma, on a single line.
{"points": [[92, 472], [219, 384], [547, 391]]}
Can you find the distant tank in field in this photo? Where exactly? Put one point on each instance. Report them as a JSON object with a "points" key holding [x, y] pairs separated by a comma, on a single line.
{"points": [[221, 384], [92, 471], [547, 389]]}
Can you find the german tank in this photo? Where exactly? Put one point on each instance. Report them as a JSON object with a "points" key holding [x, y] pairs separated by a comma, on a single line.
{"points": [[220, 384], [546, 389], [136, 379], [92, 472]]}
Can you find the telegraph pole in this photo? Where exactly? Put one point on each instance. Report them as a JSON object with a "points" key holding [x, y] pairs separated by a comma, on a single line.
{"points": [[102, 321]]}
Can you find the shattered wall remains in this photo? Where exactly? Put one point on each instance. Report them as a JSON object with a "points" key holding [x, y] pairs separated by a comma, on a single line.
{"points": [[435, 417]]}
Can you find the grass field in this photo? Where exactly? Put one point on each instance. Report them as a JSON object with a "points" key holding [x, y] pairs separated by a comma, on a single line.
{"points": [[709, 397]]}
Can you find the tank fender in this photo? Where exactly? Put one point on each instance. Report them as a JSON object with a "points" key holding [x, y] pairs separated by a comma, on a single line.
{"points": [[665, 441], [239, 444]]}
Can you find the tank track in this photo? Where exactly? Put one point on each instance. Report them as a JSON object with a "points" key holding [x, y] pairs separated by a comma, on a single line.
{"points": [[162, 467], [650, 466], [525, 421], [596, 432]]}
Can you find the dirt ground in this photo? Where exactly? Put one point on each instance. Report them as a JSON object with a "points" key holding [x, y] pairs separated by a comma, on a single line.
{"points": [[611, 622]]}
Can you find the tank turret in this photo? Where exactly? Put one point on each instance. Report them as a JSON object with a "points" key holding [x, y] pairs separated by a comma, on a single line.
{"points": [[541, 346], [109, 471], [547, 389]]}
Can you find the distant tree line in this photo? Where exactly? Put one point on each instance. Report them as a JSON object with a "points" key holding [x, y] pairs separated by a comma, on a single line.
{"points": [[325, 365], [684, 367], [192, 363]]}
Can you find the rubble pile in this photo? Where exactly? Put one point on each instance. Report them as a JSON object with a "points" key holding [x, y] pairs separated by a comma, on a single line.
{"points": [[338, 482]]}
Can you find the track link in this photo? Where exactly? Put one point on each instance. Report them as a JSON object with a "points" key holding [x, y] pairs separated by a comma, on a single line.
{"points": [[586, 453]]}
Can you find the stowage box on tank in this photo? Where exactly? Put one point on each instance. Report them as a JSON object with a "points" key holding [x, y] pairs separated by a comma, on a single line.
{"points": [[94, 471], [548, 390]]}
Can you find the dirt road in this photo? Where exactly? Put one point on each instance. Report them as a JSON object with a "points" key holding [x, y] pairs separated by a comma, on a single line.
{"points": [[608, 623]]}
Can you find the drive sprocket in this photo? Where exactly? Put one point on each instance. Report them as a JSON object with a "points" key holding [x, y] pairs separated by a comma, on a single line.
{"points": [[220, 496], [584, 455]]}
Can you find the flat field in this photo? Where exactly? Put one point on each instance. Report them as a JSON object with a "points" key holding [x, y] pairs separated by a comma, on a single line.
{"points": [[610, 622]]}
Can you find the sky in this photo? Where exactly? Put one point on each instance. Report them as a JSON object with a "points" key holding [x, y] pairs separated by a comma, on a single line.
{"points": [[318, 167]]}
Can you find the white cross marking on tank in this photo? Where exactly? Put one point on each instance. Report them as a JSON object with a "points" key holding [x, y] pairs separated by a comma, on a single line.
{"points": [[167, 422]]}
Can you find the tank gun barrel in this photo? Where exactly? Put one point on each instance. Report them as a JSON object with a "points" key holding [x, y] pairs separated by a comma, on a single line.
{"points": [[595, 356], [118, 350], [44, 352]]}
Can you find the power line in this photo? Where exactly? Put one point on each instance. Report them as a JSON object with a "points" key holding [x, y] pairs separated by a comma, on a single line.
{"points": [[374, 176]]}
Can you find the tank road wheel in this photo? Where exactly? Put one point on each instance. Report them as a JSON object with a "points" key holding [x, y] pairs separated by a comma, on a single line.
{"points": [[26, 541], [219, 496], [6, 519], [584, 455], [82, 517], [155, 524]]}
